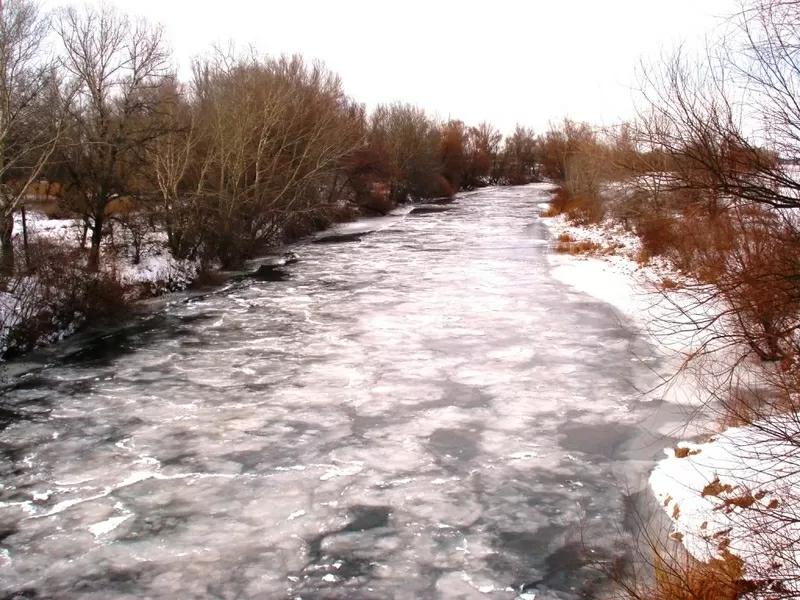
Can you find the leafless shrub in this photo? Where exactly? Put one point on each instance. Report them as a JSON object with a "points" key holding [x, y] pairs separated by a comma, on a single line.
{"points": [[55, 299]]}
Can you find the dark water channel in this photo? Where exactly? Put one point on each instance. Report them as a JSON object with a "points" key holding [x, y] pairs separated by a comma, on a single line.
{"points": [[423, 412]]}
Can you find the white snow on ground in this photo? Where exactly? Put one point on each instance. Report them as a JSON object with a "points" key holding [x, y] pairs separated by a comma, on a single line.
{"points": [[156, 272], [613, 274], [156, 265], [755, 460], [738, 492], [161, 271]]}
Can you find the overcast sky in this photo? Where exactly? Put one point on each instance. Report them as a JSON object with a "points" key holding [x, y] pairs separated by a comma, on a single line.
{"points": [[506, 61]]}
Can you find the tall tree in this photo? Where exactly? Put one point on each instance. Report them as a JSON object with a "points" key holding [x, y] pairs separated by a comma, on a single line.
{"points": [[117, 66], [452, 150], [29, 112], [411, 138], [261, 157]]}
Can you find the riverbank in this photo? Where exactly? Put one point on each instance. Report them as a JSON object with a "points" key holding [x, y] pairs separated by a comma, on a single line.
{"points": [[39, 310], [729, 492]]}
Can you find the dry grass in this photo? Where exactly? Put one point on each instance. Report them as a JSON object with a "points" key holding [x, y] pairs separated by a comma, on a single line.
{"points": [[740, 409], [690, 579], [684, 452], [745, 500], [62, 296], [657, 234], [580, 210], [566, 244], [715, 488], [550, 211], [744, 407], [561, 200], [667, 283], [582, 247], [585, 211], [674, 574]]}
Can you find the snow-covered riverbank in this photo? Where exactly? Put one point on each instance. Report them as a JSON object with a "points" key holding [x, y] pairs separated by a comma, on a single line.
{"points": [[150, 272], [51, 296], [734, 493]]}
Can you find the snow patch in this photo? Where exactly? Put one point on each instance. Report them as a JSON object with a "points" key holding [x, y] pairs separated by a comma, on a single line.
{"points": [[107, 526]]}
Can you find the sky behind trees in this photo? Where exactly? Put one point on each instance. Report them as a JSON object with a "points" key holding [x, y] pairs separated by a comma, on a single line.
{"points": [[507, 61]]}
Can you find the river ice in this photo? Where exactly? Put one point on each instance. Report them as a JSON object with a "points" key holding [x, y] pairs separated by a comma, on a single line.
{"points": [[422, 413]]}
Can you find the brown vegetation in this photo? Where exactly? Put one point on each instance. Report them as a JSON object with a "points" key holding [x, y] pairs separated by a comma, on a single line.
{"points": [[690, 579], [60, 298], [681, 452], [581, 247], [715, 488], [707, 178]]}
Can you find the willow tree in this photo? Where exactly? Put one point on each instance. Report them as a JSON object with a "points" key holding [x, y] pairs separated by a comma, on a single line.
{"points": [[412, 140], [482, 151], [273, 136]]}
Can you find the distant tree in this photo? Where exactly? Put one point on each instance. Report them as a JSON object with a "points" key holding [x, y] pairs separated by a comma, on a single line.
{"points": [[482, 150], [521, 154], [369, 170], [174, 164], [562, 143], [274, 137], [412, 139], [452, 154]]}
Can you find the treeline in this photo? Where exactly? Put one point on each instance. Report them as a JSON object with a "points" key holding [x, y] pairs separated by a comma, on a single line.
{"points": [[252, 151]]}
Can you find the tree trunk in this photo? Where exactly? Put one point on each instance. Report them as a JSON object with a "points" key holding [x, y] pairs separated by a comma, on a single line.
{"points": [[85, 232], [7, 245], [25, 239], [97, 237]]}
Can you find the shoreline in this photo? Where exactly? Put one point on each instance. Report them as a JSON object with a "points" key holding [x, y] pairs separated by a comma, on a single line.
{"points": [[158, 279], [705, 477]]}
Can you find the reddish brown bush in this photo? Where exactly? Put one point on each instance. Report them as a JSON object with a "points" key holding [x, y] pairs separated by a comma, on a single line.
{"points": [[658, 234], [580, 210], [582, 247]]}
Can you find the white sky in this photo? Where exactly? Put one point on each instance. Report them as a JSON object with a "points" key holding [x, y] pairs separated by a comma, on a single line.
{"points": [[527, 61]]}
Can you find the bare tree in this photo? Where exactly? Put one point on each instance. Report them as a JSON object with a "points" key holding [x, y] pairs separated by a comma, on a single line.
{"points": [[178, 174], [412, 139], [118, 66], [483, 148], [521, 156], [30, 122], [265, 151]]}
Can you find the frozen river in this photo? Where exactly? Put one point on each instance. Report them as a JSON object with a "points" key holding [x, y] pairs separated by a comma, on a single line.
{"points": [[424, 413]]}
